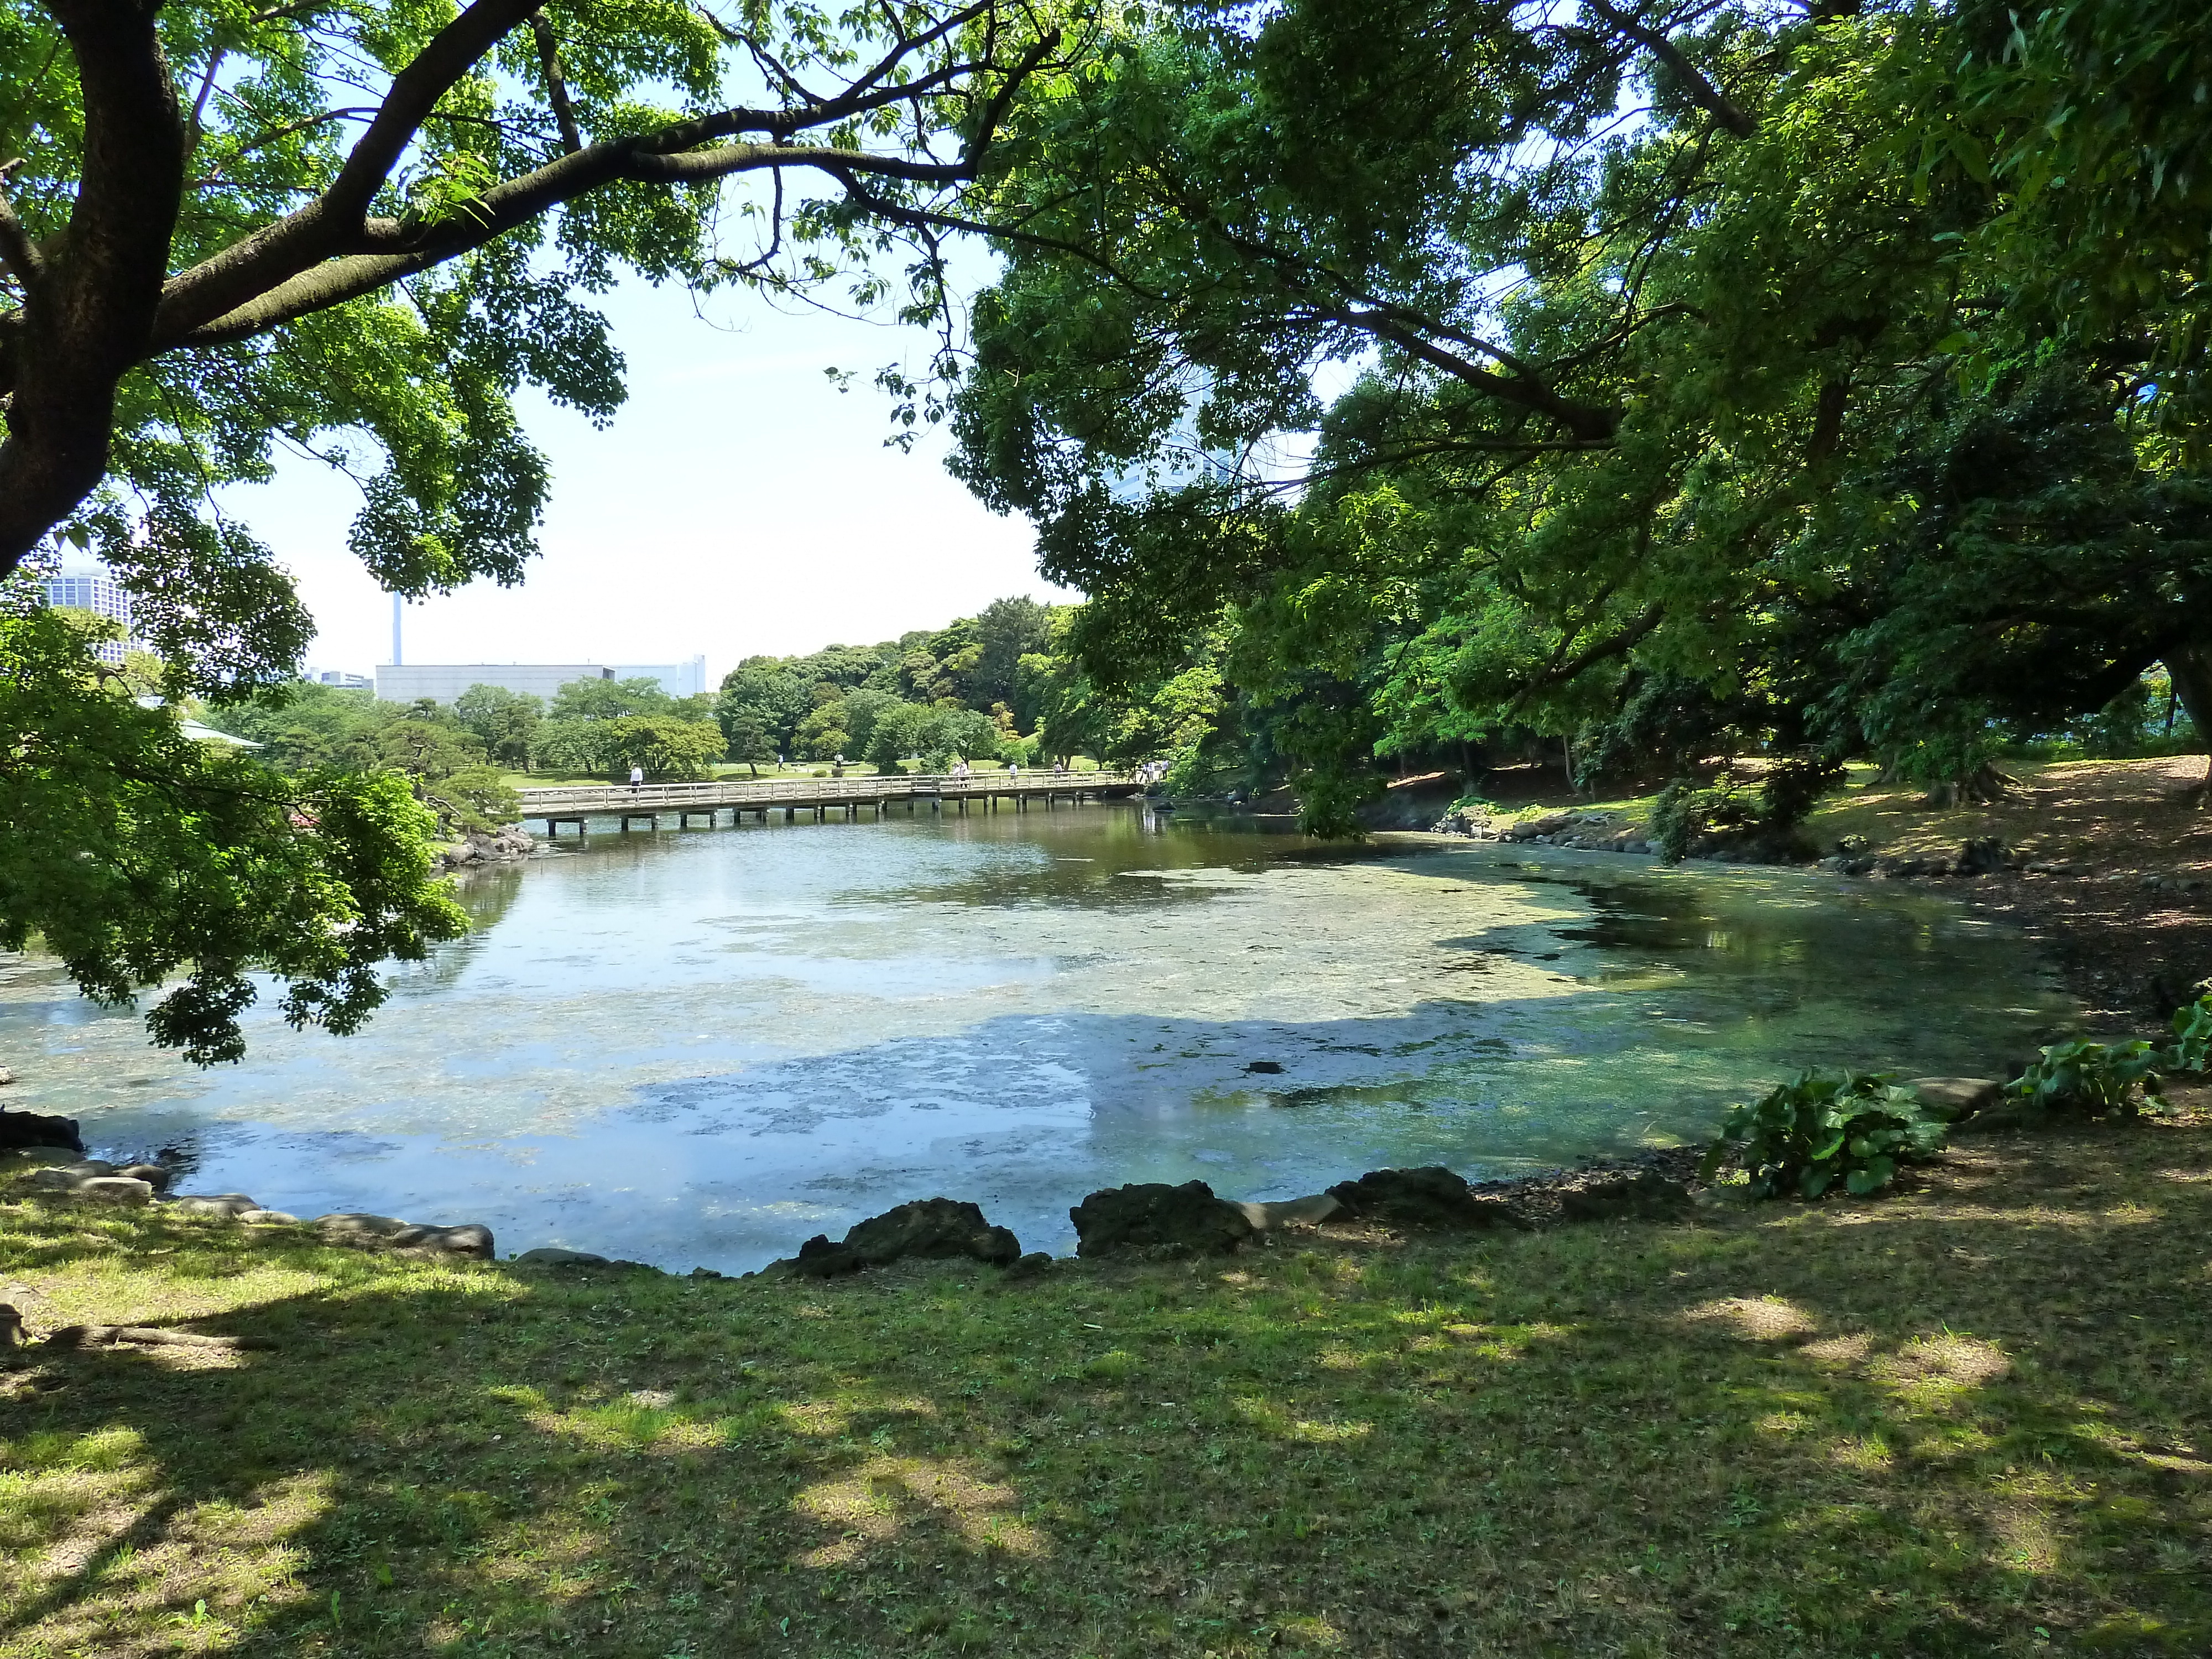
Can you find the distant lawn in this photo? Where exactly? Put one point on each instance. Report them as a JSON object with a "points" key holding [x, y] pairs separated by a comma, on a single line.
{"points": [[1968, 1420]]}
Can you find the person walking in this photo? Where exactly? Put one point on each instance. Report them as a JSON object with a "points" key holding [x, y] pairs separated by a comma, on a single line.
{"points": [[636, 776]]}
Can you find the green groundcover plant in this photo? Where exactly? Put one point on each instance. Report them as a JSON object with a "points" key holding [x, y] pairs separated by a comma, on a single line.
{"points": [[1806, 1134], [2097, 1078]]}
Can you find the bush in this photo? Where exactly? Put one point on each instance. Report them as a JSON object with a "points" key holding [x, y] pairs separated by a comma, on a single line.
{"points": [[1805, 1134], [474, 798], [2192, 1037], [1765, 821], [2096, 1078]]}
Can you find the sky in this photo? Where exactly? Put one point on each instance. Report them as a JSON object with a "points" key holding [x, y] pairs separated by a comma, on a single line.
{"points": [[739, 504]]}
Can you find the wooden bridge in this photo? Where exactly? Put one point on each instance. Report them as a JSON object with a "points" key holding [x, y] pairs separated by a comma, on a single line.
{"points": [[649, 803]]}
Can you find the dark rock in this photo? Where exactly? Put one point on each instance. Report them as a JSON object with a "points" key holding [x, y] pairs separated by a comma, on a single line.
{"points": [[38, 1129], [934, 1228], [1982, 856], [707, 1273], [1625, 1194], [153, 1175], [1186, 1220], [1432, 1196], [1034, 1265], [1271, 1067]]}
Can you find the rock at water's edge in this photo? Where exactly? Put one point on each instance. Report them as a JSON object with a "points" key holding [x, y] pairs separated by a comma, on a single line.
{"points": [[115, 1189], [1186, 1219], [39, 1129], [1265, 1217], [1431, 1196], [1955, 1098], [933, 1228], [552, 1255]]}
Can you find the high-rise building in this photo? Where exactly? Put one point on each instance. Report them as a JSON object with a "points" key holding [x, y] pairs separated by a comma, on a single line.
{"points": [[84, 583], [678, 679], [444, 682]]}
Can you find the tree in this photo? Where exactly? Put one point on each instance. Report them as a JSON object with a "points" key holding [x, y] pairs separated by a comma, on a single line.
{"points": [[1007, 630], [137, 855], [1632, 413], [502, 721], [609, 700], [670, 750], [211, 214], [749, 739]]}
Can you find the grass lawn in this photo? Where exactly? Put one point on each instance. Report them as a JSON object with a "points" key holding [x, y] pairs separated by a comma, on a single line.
{"points": [[1971, 1419]]}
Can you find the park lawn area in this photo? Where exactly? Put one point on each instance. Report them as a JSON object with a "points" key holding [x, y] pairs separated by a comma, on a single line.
{"points": [[1968, 1419]]}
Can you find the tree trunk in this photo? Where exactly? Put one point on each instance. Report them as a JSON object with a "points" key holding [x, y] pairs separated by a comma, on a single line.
{"points": [[2190, 668]]}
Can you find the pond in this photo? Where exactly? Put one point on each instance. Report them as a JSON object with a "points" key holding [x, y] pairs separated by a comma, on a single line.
{"points": [[700, 1048]]}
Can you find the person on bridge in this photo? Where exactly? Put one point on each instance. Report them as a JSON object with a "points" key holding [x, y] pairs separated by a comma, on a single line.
{"points": [[636, 776]]}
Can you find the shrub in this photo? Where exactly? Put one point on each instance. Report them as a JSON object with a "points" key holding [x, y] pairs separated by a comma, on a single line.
{"points": [[2192, 1037], [2096, 1078], [1806, 1134]]}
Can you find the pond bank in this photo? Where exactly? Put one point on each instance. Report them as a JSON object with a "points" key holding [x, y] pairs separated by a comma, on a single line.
{"points": [[1961, 1420]]}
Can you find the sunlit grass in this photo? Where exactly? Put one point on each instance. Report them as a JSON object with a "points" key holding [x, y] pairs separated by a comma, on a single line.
{"points": [[1963, 1420]]}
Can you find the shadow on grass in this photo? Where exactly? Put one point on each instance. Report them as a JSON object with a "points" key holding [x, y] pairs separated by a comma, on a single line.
{"points": [[1956, 1422]]}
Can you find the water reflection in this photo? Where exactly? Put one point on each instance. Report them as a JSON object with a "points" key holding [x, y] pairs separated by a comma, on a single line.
{"points": [[700, 1048]]}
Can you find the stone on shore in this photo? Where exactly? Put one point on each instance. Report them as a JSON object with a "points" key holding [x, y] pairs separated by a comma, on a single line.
{"points": [[267, 1218], [33, 1129], [938, 1228], [1954, 1099], [230, 1205], [552, 1255], [115, 1189], [1267, 1217], [1151, 1216], [357, 1227], [153, 1175], [1431, 1196]]}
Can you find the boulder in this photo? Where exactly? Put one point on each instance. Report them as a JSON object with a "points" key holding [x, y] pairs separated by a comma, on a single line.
{"points": [[115, 1189], [85, 1168], [226, 1205], [267, 1218], [1625, 1195], [357, 1227], [552, 1255], [1185, 1220], [471, 1238], [1955, 1098], [1034, 1265], [7, 1077], [1431, 1196], [153, 1175], [1303, 1212], [39, 1129], [934, 1228]]}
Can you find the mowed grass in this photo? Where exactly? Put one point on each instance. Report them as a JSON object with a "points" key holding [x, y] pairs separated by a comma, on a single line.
{"points": [[1969, 1420]]}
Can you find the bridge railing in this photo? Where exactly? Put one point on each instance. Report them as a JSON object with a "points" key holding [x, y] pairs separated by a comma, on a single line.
{"points": [[621, 798]]}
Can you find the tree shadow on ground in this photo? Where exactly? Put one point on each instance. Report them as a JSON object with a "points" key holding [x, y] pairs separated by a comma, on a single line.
{"points": [[1957, 1421]]}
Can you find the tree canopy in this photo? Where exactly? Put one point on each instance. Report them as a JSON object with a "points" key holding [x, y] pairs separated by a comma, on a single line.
{"points": [[1626, 374]]}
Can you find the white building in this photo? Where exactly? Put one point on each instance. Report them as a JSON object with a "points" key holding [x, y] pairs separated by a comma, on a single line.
{"points": [[445, 682], [86, 584], [678, 679]]}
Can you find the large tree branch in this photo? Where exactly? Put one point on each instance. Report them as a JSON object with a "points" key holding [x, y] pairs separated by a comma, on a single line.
{"points": [[1707, 96], [90, 317]]}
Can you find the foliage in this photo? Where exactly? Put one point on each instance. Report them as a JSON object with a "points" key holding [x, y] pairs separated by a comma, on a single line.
{"points": [[2192, 1050], [504, 721], [2096, 1078], [1766, 819], [473, 797], [136, 854], [1764, 424], [1805, 1135]]}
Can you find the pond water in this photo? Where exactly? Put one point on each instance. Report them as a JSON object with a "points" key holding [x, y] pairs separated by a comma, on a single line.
{"points": [[699, 1049]]}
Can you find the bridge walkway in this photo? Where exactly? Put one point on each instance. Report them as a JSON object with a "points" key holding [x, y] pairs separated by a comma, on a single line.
{"points": [[934, 792]]}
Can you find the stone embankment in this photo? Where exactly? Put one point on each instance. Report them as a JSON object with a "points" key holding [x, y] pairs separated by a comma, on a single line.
{"points": [[1143, 1220], [508, 845]]}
